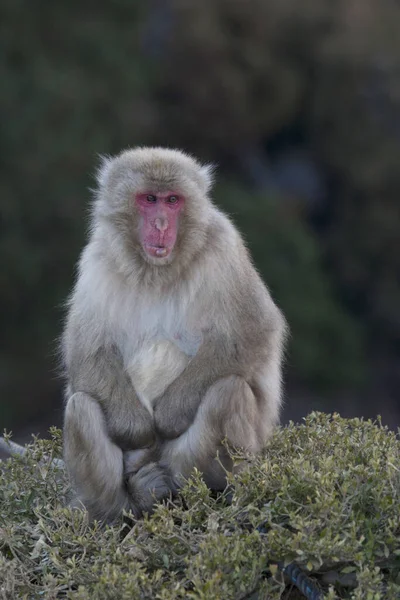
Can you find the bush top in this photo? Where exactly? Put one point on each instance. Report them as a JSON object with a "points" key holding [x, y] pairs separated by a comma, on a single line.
{"points": [[323, 495]]}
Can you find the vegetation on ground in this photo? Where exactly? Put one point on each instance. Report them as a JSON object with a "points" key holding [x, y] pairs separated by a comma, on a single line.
{"points": [[324, 495]]}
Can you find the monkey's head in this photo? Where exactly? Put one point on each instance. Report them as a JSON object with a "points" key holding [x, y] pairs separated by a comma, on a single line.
{"points": [[155, 201]]}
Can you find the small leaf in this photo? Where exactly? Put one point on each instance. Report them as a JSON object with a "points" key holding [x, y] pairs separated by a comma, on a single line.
{"points": [[274, 569], [349, 569]]}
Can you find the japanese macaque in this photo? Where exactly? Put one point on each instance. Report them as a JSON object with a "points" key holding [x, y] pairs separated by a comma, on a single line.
{"points": [[172, 342]]}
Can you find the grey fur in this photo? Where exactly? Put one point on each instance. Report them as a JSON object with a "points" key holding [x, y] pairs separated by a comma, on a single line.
{"points": [[164, 358]]}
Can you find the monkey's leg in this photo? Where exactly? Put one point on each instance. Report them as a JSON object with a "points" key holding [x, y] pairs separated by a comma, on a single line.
{"points": [[230, 411], [94, 462]]}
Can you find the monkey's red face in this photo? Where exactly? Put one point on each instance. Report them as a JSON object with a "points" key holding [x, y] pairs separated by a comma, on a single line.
{"points": [[158, 225]]}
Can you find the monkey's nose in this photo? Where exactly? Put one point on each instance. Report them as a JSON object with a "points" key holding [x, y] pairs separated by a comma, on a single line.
{"points": [[161, 224]]}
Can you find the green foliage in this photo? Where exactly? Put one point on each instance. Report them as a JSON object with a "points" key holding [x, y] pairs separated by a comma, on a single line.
{"points": [[324, 495], [356, 126], [224, 79], [325, 344], [234, 75], [74, 87]]}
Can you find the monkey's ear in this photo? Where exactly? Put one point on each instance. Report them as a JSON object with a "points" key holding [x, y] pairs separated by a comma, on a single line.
{"points": [[207, 174], [103, 168]]}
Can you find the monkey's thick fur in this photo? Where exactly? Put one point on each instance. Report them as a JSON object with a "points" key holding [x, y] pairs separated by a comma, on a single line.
{"points": [[164, 357]]}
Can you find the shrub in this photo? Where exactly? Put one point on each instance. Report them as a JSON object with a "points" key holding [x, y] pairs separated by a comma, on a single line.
{"points": [[324, 495]]}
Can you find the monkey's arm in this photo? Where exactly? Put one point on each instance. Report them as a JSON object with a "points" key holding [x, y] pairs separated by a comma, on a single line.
{"points": [[221, 354], [101, 375], [237, 399], [176, 408]]}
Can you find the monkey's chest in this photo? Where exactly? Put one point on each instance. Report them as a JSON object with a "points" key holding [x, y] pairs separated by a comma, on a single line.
{"points": [[154, 368]]}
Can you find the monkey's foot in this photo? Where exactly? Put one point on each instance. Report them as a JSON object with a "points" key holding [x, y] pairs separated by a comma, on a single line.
{"points": [[148, 486]]}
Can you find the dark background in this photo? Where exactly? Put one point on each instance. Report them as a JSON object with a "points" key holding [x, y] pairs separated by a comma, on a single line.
{"points": [[299, 105]]}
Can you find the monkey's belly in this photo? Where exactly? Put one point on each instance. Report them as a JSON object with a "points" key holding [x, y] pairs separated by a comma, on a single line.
{"points": [[154, 368]]}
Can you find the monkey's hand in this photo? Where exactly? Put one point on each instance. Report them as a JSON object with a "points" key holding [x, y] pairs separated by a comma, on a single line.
{"points": [[172, 415]]}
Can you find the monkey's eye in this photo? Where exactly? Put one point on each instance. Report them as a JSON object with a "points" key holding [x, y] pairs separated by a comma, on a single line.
{"points": [[151, 198], [172, 199]]}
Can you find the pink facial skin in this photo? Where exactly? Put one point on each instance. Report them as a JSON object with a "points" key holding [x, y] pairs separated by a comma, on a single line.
{"points": [[158, 229]]}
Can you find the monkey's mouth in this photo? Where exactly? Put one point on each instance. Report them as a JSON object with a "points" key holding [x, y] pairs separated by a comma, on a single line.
{"points": [[158, 251]]}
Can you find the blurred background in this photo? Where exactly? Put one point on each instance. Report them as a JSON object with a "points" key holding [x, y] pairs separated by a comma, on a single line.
{"points": [[298, 103]]}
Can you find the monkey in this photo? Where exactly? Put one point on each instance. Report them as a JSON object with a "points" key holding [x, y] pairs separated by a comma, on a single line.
{"points": [[172, 347]]}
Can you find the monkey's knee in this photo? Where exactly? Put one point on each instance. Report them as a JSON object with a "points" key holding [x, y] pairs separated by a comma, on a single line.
{"points": [[229, 391], [82, 416], [234, 410], [83, 423], [81, 407], [232, 405]]}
